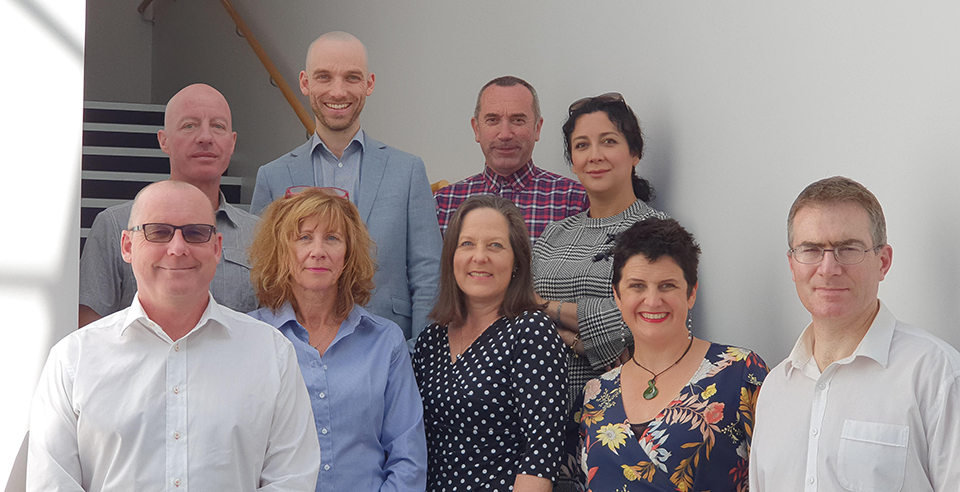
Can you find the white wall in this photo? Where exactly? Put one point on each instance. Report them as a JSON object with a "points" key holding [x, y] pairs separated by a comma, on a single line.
{"points": [[41, 94], [118, 47], [743, 104]]}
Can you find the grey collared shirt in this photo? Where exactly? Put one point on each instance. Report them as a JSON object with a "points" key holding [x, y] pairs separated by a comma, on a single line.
{"points": [[343, 173], [107, 284]]}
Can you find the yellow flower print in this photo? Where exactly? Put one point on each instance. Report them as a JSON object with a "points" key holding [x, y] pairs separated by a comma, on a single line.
{"points": [[737, 353], [612, 436], [589, 418], [642, 471], [710, 391]]}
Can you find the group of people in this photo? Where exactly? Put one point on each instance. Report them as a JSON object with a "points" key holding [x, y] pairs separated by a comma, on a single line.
{"points": [[517, 330]]}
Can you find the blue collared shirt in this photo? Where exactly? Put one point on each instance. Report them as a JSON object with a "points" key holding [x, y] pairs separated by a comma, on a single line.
{"points": [[366, 404], [343, 173]]}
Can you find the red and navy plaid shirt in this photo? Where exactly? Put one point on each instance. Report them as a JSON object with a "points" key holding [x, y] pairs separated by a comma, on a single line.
{"points": [[542, 196]]}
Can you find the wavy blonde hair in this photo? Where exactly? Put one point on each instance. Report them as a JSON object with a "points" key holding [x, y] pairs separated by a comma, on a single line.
{"points": [[272, 248]]}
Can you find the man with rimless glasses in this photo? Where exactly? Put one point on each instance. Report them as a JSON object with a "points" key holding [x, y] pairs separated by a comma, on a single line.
{"points": [[175, 392], [864, 401], [199, 138]]}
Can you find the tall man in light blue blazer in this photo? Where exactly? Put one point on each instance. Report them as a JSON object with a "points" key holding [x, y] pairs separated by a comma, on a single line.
{"points": [[389, 187]]}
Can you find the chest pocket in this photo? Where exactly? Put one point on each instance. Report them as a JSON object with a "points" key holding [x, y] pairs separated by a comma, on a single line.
{"points": [[872, 456]]}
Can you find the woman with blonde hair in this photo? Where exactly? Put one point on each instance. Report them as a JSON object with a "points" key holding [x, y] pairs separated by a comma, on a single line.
{"points": [[312, 271]]}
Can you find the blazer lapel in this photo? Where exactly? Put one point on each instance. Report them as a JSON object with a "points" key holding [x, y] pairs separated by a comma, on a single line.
{"points": [[372, 167], [300, 167]]}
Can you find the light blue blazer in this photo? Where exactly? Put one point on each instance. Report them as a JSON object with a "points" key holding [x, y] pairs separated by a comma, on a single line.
{"points": [[395, 202]]}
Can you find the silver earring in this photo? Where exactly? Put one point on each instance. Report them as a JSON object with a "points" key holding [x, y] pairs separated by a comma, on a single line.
{"points": [[689, 321]]}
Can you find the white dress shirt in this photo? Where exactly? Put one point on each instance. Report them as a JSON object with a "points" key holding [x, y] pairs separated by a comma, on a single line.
{"points": [[120, 406], [886, 418]]}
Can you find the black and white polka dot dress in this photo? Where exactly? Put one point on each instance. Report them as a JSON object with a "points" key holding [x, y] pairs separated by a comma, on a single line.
{"points": [[499, 410]]}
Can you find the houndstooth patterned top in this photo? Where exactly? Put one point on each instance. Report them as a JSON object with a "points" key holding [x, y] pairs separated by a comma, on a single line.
{"points": [[571, 263]]}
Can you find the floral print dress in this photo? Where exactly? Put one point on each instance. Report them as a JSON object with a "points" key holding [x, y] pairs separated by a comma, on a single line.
{"points": [[699, 442]]}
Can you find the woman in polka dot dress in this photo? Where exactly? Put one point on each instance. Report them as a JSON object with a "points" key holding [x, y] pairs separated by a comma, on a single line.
{"points": [[492, 370]]}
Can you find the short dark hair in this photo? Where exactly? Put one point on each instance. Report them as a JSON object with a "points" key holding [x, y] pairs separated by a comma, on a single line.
{"points": [[626, 122], [655, 238], [840, 189], [510, 81], [451, 306]]}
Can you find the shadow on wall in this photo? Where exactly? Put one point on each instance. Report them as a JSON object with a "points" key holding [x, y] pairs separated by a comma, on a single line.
{"points": [[53, 28]]}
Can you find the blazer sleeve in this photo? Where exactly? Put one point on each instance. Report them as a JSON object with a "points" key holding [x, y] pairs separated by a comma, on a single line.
{"points": [[423, 248]]}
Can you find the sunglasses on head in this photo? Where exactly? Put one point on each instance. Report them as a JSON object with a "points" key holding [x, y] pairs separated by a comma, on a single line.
{"points": [[603, 98], [329, 190], [163, 233]]}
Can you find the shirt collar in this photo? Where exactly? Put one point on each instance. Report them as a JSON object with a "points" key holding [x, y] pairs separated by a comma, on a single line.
{"points": [[286, 315], [517, 181], [874, 345], [318, 142], [229, 211], [136, 315]]}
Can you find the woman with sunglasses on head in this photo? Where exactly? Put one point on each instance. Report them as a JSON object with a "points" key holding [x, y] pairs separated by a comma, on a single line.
{"points": [[491, 369], [571, 263], [312, 270], [679, 414]]}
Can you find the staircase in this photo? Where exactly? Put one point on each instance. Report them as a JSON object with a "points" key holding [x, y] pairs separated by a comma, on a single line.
{"points": [[121, 155]]}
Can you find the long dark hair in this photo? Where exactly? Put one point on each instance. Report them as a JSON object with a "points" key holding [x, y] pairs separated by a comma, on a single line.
{"points": [[451, 307], [626, 122]]}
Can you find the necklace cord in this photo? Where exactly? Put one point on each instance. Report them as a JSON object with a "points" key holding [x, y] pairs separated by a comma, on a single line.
{"points": [[657, 374]]}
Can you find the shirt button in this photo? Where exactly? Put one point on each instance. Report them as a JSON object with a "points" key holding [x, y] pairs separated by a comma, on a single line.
{"points": [[176, 390], [323, 395], [326, 467], [176, 482], [339, 164], [176, 348], [176, 435], [821, 386], [814, 431], [324, 367], [323, 431], [811, 480]]}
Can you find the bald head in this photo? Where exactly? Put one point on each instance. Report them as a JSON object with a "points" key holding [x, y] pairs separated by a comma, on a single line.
{"points": [[164, 194], [173, 274], [337, 41], [198, 136], [190, 96], [337, 81]]}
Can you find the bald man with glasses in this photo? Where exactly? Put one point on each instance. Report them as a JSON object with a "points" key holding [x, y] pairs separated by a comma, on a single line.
{"points": [[175, 391]]}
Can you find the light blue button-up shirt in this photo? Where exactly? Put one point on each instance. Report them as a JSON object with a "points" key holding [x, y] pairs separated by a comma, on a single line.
{"points": [[366, 404], [343, 173]]}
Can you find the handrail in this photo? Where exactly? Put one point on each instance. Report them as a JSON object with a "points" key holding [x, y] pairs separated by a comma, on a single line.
{"points": [[275, 75], [298, 108]]}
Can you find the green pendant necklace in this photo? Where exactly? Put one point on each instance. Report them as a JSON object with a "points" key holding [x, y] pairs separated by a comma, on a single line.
{"points": [[651, 392]]}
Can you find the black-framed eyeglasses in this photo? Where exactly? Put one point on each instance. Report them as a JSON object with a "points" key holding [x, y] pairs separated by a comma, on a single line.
{"points": [[845, 255], [604, 98], [156, 232]]}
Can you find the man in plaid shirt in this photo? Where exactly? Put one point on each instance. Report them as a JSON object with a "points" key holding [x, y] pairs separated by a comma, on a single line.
{"points": [[506, 123]]}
